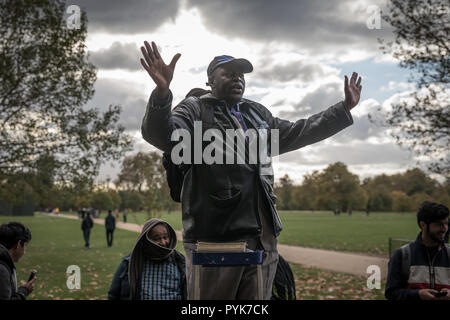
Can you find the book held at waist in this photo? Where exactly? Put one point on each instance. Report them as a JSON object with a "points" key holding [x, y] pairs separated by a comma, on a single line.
{"points": [[239, 246]]}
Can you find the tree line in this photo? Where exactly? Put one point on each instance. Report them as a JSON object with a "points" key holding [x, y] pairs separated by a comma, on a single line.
{"points": [[141, 185], [336, 188]]}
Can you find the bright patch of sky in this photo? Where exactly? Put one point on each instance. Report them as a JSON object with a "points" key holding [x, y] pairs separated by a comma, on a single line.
{"points": [[376, 77]]}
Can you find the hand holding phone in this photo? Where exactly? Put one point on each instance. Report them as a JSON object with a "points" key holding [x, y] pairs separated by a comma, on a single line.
{"points": [[32, 275], [440, 294]]}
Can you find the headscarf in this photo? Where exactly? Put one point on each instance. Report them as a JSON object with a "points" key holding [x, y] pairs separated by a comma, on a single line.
{"points": [[146, 248]]}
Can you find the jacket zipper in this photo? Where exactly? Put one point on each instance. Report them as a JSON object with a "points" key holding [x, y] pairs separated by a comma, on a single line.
{"points": [[238, 125], [275, 217], [431, 269]]}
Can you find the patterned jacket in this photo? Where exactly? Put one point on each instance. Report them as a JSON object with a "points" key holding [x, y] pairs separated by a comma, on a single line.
{"points": [[425, 271]]}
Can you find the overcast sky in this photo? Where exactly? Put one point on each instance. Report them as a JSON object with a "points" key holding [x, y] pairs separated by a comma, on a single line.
{"points": [[300, 51]]}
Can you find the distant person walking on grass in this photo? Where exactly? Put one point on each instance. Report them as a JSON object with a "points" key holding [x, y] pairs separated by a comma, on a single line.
{"points": [[86, 226], [154, 270], [125, 215], [110, 225], [14, 238], [420, 270]]}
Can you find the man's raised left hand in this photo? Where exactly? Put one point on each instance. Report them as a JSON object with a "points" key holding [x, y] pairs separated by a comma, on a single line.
{"points": [[352, 91]]}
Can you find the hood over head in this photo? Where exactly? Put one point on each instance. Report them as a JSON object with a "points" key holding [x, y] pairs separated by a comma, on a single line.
{"points": [[145, 248]]}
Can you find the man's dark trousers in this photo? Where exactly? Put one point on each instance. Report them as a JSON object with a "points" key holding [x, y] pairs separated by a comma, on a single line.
{"points": [[87, 234], [109, 237]]}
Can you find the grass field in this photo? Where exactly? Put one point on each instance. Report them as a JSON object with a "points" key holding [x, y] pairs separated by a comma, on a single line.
{"points": [[58, 243], [356, 233]]}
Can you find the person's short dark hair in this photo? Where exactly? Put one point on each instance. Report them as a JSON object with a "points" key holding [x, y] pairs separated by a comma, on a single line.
{"points": [[12, 232], [431, 211], [109, 211]]}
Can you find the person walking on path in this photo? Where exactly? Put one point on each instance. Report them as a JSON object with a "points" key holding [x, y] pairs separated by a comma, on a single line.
{"points": [[125, 212], [86, 226], [110, 225], [420, 270], [233, 201]]}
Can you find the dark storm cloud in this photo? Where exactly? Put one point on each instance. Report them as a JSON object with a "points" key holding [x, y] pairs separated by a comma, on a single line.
{"points": [[324, 97], [128, 17], [118, 92], [316, 101], [297, 70], [313, 25], [118, 56]]}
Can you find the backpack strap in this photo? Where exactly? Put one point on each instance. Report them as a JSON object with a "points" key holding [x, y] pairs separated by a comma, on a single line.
{"points": [[256, 114], [175, 173], [406, 260], [206, 112]]}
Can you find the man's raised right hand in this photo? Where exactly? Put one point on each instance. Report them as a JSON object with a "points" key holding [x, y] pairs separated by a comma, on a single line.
{"points": [[161, 73]]}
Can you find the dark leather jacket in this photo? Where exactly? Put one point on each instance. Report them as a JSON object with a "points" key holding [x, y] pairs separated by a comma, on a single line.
{"points": [[8, 281], [220, 201]]}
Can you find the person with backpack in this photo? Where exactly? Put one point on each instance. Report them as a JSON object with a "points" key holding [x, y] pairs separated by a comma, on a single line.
{"points": [[86, 226], [223, 201], [420, 270]]}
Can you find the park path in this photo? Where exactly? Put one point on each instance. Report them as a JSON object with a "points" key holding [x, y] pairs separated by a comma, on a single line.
{"points": [[338, 261]]}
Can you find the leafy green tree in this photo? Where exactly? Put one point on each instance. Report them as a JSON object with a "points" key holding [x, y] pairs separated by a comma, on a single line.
{"points": [[413, 181], [442, 194], [421, 44], [67, 198], [401, 202], [380, 200], [83, 201], [358, 199], [144, 173], [284, 192], [338, 188], [115, 198], [46, 81], [137, 169], [132, 200], [378, 190], [418, 198], [19, 192], [305, 195], [101, 200]]}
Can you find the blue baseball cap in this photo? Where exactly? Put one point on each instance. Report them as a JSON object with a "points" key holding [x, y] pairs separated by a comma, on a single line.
{"points": [[242, 64]]}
